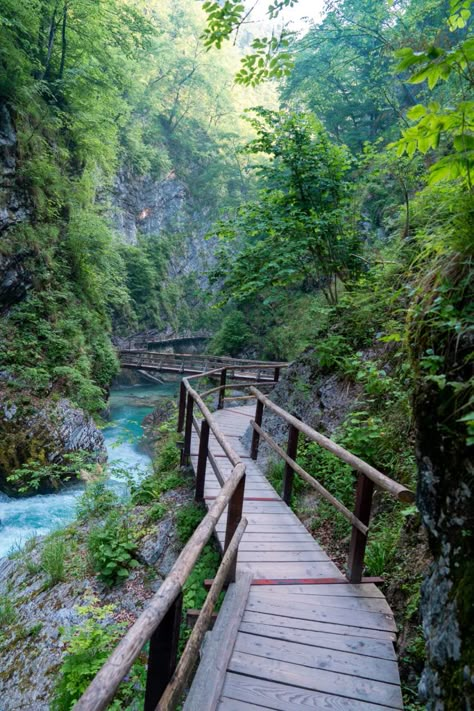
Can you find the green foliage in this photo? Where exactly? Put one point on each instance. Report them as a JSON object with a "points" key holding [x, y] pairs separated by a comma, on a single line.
{"points": [[233, 336], [157, 512], [87, 648], [96, 500], [7, 610], [434, 123], [187, 518], [111, 547], [53, 558], [206, 567], [270, 58], [299, 231]]}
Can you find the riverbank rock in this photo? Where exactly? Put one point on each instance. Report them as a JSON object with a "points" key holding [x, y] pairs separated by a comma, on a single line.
{"points": [[44, 431]]}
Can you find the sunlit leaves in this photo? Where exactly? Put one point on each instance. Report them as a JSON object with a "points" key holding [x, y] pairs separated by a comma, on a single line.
{"points": [[270, 58], [460, 13], [433, 123]]}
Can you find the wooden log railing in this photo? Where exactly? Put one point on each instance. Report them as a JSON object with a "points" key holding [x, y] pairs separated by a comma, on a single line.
{"points": [[197, 364], [159, 623], [368, 476]]}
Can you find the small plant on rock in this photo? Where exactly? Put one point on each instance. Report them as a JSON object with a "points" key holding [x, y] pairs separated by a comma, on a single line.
{"points": [[52, 559], [111, 547]]}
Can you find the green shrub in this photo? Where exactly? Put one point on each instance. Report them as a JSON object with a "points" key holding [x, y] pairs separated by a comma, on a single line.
{"points": [[87, 649], [168, 456], [96, 500], [156, 512], [111, 547], [382, 544], [52, 559], [188, 517], [7, 610]]}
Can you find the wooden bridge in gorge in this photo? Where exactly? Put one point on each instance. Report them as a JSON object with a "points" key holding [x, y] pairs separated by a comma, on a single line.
{"points": [[294, 631]]}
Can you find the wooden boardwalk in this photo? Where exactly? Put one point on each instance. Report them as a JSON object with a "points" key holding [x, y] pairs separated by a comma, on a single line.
{"points": [[293, 633]]}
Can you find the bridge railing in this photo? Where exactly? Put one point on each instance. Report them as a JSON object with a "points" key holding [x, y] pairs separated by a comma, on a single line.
{"points": [[159, 623], [192, 363], [367, 475], [367, 478]]}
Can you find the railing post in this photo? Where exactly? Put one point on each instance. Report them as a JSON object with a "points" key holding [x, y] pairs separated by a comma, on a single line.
{"points": [[276, 376], [363, 505], [222, 383], [234, 514], [182, 406], [291, 450], [188, 430], [255, 435], [202, 461], [163, 654]]}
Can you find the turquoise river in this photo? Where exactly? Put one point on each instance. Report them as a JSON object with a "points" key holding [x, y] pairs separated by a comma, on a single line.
{"points": [[38, 515]]}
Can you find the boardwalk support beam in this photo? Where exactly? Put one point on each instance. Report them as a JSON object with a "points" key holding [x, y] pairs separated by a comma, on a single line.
{"points": [[363, 505], [289, 474], [256, 435], [163, 654], [202, 461], [222, 383], [188, 430]]}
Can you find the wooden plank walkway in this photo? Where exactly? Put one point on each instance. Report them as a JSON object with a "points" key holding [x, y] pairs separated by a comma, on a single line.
{"points": [[299, 636]]}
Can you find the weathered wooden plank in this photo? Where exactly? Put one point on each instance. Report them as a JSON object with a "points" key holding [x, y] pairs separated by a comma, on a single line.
{"points": [[352, 603], [318, 658], [282, 571], [271, 618], [279, 556], [209, 679], [335, 615], [227, 704], [282, 697], [345, 589], [329, 682], [297, 537], [287, 546], [359, 645]]}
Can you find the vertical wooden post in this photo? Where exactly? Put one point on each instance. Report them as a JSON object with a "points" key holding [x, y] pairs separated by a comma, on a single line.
{"points": [[255, 435], [163, 654], [234, 514], [363, 505], [276, 376], [182, 406], [222, 383], [291, 450], [202, 461], [188, 430]]}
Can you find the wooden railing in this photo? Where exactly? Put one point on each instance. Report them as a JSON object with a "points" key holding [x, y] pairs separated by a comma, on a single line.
{"points": [[159, 623], [368, 476], [193, 363]]}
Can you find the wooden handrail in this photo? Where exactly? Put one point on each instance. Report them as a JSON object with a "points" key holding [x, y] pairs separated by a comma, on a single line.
{"points": [[381, 480], [233, 362], [105, 684], [311, 480], [232, 456], [173, 691]]}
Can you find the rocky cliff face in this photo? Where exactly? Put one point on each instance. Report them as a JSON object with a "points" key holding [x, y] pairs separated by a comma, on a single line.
{"points": [[13, 201], [445, 498], [148, 206], [43, 431], [15, 279]]}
